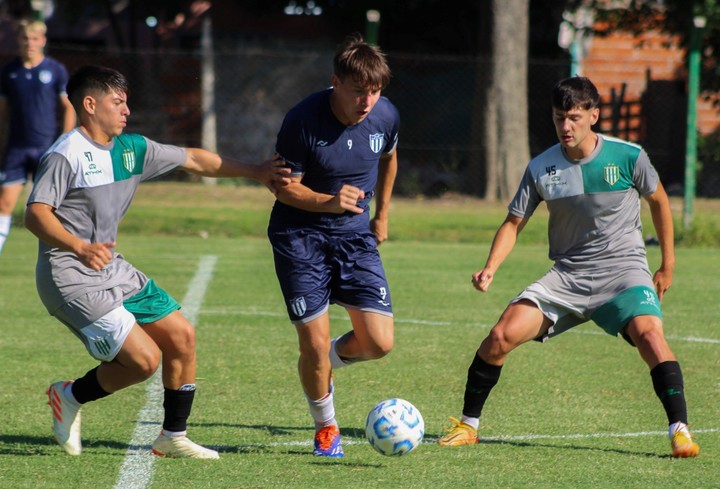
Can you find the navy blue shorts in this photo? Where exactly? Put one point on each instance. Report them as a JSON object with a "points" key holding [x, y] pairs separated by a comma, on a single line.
{"points": [[19, 164], [316, 270]]}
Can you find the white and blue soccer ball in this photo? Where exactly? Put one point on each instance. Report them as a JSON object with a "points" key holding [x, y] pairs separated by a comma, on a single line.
{"points": [[394, 427]]}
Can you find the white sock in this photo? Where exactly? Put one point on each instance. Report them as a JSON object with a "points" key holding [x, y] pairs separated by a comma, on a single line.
{"points": [[5, 222], [675, 427], [69, 395], [474, 422], [173, 434], [335, 360], [322, 410]]}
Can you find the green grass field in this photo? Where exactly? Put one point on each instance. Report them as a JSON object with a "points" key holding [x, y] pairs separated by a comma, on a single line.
{"points": [[577, 412]]}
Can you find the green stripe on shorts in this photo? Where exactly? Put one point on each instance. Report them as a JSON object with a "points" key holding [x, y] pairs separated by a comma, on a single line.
{"points": [[151, 304], [613, 316]]}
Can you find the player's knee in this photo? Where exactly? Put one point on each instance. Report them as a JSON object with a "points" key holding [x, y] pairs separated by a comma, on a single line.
{"points": [[379, 349], [146, 365], [497, 343], [648, 334], [182, 340]]}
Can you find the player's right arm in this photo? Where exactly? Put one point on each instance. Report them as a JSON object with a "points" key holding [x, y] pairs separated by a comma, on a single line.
{"points": [[502, 245], [297, 195], [40, 219]]}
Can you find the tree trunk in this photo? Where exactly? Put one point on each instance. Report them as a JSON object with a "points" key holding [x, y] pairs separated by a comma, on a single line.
{"points": [[505, 118]]}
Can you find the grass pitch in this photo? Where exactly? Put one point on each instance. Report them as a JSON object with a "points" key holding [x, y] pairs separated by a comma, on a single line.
{"points": [[578, 411]]}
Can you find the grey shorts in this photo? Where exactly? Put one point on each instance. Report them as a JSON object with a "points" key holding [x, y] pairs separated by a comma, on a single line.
{"points": [[609, 297]]}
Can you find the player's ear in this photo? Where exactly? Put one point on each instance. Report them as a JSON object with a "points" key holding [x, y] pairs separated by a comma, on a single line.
{"points": [[594, 115], [334, 80], [88, 103]]}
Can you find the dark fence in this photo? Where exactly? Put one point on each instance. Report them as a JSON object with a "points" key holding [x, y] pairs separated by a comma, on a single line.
{"points": [[254, 87]]}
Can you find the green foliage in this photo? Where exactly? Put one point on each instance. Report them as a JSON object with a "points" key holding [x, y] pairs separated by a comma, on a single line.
{"points": [[673, 16]]}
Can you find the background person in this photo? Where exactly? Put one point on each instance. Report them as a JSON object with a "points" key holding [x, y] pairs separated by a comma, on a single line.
{"points": [[32, 100]]}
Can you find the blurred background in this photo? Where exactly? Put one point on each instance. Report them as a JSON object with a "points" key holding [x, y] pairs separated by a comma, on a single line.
{"points": [[222, 74]]}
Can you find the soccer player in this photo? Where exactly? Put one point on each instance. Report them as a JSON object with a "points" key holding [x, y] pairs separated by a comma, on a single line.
{"points": [[84, 187], [592, 185], [32, 99], [340, 144]]}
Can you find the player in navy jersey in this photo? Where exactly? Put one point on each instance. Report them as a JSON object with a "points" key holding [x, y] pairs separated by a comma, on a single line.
{"points": [[32, 98], [85, 184], [341, 146], [592, 185]]}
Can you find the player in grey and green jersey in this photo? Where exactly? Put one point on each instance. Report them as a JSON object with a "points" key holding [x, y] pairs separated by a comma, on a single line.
{"points": [[592, 186], [84, 187]]}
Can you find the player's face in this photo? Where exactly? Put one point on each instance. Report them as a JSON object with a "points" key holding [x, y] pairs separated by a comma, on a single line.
{"points": [[351, 102], [111, 112], [31, 44], [574, 130]]}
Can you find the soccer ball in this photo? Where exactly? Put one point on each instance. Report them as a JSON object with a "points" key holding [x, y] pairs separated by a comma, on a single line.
{"points": [[394, 427]]}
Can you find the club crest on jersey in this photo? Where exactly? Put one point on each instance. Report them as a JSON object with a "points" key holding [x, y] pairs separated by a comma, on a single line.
{"points": [[377, 141], [298, 306], [612, 174], [45, 76], [128, 159]]}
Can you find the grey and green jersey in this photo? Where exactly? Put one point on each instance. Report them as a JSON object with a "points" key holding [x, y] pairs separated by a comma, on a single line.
{"points": [[594, 203], [91, 187]]}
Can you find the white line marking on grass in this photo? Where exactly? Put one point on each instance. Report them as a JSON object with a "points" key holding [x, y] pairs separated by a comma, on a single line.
{"points": [[137, 468], [223, 311], [433, 439]]}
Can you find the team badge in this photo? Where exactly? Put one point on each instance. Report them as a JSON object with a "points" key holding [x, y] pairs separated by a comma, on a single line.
{"points": [[298, 306], [612, 174], [128, 159], [45, 76], [377, 141]]}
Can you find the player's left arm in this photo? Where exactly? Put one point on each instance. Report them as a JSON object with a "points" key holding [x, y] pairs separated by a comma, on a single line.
{"points": [[67, 113], [662, 220], [208, 164], [387, 172]]}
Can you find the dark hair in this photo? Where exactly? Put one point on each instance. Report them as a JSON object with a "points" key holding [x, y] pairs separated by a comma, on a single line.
{"points": [[575, 92], [94, 79], [363, 63]]}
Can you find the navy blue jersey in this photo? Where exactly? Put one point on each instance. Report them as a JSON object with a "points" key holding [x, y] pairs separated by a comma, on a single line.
{"points": [[32, 95], [329, 154]]}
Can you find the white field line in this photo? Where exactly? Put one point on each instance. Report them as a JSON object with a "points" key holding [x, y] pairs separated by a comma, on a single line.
{"points": [[137, 468], [503, 438], [239, 311]]}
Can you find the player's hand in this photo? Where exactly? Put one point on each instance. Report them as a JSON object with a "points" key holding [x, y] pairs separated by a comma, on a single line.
{"points": [[346, 200], [96, 255], [379, 227], [481, 280], [273, 173], [662, 280]]}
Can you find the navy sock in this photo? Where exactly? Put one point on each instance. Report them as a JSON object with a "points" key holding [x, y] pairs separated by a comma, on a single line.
{"points": [[87, 388], [178, 404], [481, 378], [668, 383]]}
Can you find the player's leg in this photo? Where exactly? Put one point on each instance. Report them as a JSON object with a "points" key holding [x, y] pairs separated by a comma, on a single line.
{"points": [[521, 322], [646, 332], [9, 195], [175, 337], [316, 379], [372, 337], [13, 176], [127, 354]]}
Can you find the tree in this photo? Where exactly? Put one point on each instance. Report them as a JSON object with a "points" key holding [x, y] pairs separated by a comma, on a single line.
{"points": [[502, 108]]}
